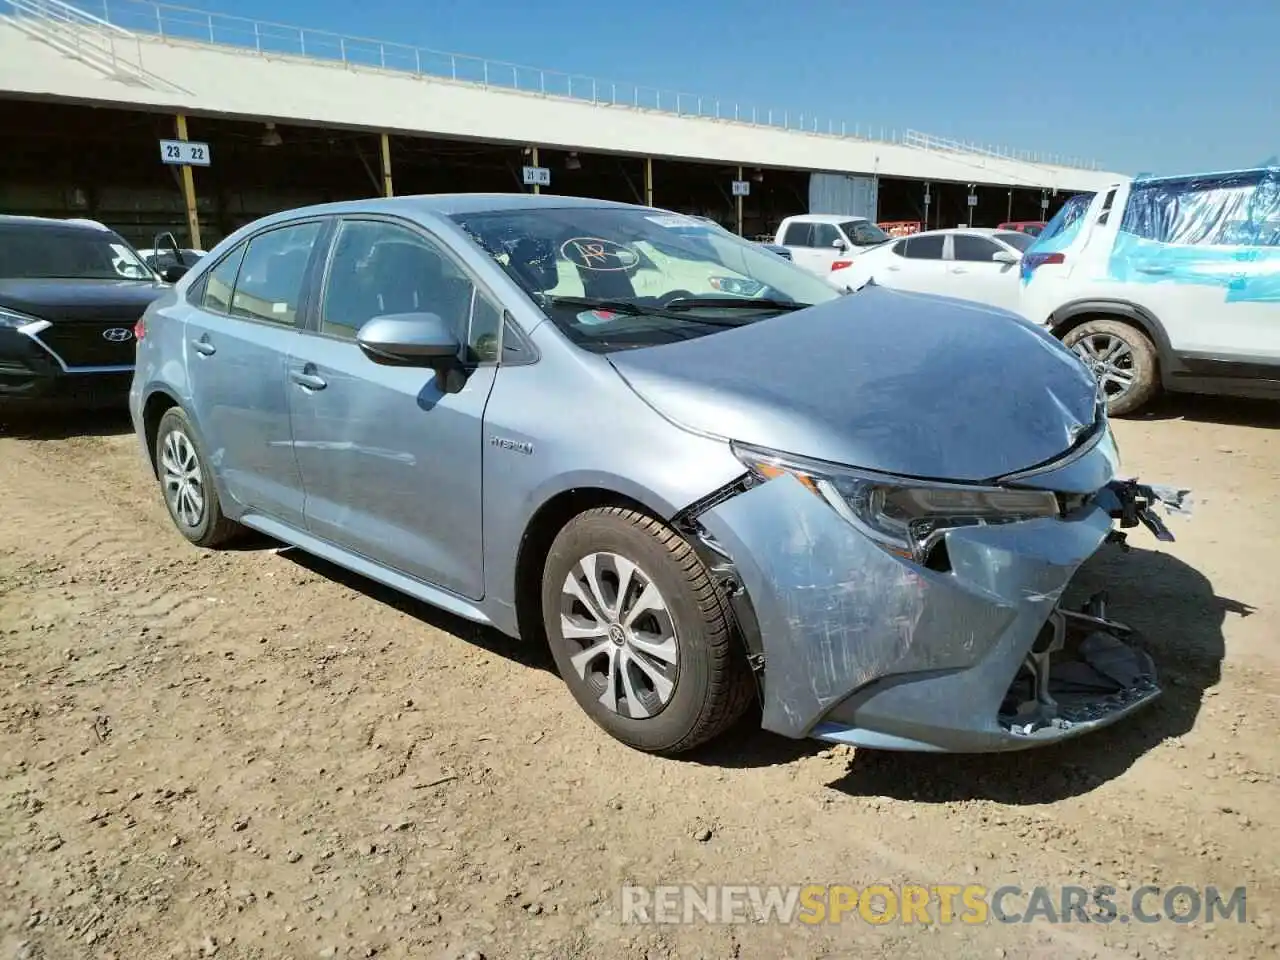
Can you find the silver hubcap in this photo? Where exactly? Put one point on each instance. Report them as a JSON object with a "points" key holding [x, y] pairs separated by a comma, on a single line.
{"points": [[182, 485], [627, 650], [1110, 359]]}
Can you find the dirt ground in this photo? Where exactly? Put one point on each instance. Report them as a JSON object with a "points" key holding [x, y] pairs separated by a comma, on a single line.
{"points": [[254, 754]]}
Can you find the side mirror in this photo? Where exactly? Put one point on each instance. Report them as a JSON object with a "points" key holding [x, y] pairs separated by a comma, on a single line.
{"points": [[174, 273], [1005, 256], [413, 340], [839, 244]]}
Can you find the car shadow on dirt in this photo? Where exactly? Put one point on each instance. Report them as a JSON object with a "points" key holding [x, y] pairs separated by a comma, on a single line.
{"points": [[59, 423], [1230, 411], [1171, 604], [527, 654], [1179, 619]]}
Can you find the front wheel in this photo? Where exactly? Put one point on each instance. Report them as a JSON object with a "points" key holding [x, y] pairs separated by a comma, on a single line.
{"points": [[640, 634], [1122, 359]]}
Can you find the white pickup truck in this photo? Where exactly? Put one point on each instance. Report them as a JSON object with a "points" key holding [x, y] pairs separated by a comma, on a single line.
{"points": [[822, 242]]}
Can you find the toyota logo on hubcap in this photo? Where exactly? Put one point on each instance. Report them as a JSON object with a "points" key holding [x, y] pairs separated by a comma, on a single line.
{"points": [[117, 334]]}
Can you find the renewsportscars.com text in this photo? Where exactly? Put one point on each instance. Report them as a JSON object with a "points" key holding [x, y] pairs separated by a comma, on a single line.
{"points": [[943, 904]]}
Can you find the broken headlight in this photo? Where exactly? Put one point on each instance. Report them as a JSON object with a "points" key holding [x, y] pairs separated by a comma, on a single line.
{"points": [[906, 517]]}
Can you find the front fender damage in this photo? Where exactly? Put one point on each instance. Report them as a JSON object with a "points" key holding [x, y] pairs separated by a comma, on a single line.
{"points": [[860, 646]]}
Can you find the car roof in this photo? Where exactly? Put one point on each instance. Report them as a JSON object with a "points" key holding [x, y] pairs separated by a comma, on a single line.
{"points": [[54, 223], [450, 204], [826, 217], [1213, 175], [945, 231], [447, 205]]}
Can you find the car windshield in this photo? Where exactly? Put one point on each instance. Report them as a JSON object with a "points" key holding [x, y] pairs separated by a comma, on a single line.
{"points": [[1019, 241], [44, 253], [616, 278], [863, 232]]}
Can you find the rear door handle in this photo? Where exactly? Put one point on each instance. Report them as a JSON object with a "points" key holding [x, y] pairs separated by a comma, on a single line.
{"points": [[203, 347], [1153, 268], [959, 270], [309, 380]]}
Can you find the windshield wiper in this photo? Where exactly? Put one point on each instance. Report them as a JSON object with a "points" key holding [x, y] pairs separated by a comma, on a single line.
{"points": [[631, 309], [614, 306], [735, 303]]}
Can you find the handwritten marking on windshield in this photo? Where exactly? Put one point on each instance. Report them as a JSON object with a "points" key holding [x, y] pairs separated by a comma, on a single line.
{"points": [[593, 253]]}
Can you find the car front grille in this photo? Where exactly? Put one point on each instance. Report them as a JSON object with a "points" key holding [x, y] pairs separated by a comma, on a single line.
{"points": [[92, 343]]}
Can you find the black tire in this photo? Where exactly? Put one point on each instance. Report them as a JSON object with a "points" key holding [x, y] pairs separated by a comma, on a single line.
{"points": [[712, 681], [212, 528], [1145, 362]]}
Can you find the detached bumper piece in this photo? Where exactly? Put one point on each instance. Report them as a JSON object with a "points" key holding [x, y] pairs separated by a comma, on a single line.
{"points": [[1133, 503], [1083, 670]]}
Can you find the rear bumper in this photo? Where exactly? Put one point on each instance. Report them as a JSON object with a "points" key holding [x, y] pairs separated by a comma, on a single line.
{"points": [[864, 648], [30, 373]]}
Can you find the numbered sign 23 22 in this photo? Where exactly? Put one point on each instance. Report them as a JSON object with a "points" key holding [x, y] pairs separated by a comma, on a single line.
{"points": [[185, 152]]}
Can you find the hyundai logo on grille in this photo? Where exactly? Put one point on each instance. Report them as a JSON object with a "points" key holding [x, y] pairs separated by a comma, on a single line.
{"points": [[117, 334]]}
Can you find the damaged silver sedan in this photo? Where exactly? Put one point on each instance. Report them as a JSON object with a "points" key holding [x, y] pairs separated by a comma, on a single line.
{"points": [[700, 472]]}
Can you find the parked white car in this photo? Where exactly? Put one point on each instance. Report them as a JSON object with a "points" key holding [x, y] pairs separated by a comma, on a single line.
{"points": [[969, 264], [1168, 283], [822, 242]]}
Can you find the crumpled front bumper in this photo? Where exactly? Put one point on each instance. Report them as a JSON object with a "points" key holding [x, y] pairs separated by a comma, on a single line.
{"points": [[862, 647]]}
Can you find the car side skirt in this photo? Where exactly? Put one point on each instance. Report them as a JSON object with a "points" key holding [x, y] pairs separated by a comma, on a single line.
{"points": [[435, 596]]}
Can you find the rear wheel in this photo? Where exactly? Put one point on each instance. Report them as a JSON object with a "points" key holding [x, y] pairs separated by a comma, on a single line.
{"points": [[640, 634], [1122, 359], [187, 483]]}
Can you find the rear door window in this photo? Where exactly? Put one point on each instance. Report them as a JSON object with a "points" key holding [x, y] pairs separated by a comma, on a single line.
{"points": [[798, 235], [219, 282], [924, 248], [272, 274]]}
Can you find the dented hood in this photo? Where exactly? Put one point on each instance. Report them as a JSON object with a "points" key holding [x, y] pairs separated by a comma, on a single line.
{"points": [[903, 383]]}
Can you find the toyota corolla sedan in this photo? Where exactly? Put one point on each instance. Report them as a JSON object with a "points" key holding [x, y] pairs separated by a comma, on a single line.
{"points": [[700, 474]]}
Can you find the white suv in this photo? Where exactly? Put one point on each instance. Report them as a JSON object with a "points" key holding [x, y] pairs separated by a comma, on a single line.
{"points": [[1169, 283]]}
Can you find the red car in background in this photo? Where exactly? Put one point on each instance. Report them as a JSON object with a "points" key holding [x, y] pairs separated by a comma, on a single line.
{"points": [[1032, 227]]}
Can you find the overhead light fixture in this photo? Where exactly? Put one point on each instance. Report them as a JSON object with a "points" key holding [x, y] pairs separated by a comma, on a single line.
{"points": [[572, 162], [758, 176], [271, 136]]}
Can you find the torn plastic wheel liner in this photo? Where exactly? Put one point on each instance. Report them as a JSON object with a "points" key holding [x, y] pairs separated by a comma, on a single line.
{"points": [[857, 644]]}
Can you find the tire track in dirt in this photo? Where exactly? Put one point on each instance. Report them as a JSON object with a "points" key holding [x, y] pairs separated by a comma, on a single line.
{"points": [[405, 766]]}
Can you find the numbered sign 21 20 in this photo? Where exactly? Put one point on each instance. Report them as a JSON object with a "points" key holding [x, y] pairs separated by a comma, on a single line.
{"points": [[185, 152]]}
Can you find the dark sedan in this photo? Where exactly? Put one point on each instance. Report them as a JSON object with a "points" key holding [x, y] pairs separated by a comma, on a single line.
{"points": [[70, 294]]}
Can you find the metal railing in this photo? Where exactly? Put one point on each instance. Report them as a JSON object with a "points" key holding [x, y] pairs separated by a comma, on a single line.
{"points": [[177, 23], [927, 141], [92, 40]]}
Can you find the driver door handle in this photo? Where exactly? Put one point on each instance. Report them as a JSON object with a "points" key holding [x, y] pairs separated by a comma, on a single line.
{"points": [[203, 347], [309, 380], [959, 270]]}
